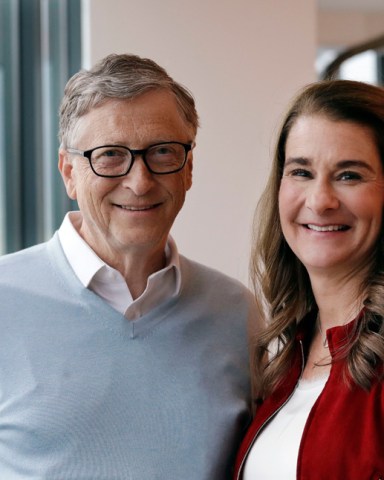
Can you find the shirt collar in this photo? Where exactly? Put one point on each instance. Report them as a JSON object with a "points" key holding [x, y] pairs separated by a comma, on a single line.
{"points": [[86, 263]]}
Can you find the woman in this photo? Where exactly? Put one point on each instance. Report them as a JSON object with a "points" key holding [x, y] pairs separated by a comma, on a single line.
{"points": [[318, 265]]}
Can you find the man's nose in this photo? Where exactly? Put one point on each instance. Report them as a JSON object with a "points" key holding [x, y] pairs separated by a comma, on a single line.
{"points": [[321, 196], [139, 179]]}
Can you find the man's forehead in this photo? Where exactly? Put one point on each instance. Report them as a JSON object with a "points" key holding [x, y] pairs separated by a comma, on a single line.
{"points": [[155, 113]]}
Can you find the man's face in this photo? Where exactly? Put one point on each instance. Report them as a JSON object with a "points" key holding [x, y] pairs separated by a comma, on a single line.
{"points": [[133, 213]]}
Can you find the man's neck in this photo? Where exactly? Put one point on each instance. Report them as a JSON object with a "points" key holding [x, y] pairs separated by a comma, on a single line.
{"points": [[136, 269], [135, 262]]}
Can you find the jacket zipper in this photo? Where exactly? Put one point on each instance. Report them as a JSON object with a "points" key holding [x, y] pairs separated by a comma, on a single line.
{"points": [[273, 414]]}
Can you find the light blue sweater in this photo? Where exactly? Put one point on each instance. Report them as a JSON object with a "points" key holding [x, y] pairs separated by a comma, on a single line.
{"points": [[87, 395]]}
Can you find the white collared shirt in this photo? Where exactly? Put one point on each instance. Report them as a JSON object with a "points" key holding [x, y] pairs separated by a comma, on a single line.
{"points": [[108, 282]]}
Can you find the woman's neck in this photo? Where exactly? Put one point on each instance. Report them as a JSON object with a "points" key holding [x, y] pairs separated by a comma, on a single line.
{"points": [[339, 299]]}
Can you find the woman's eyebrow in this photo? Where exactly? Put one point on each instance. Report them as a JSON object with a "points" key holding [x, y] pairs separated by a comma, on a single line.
{"points": [[304, 161], [354, 163], [297, 160]]}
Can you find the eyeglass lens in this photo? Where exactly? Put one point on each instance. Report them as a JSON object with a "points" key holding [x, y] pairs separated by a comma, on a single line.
{"points": [[161, 158]]}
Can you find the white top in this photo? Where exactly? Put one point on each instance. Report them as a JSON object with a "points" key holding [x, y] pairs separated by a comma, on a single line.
{"points": [[275, 451], [108, 283]]}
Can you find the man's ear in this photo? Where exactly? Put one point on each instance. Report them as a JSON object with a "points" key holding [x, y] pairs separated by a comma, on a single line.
{"points": [[188, 171], [67, 173]]}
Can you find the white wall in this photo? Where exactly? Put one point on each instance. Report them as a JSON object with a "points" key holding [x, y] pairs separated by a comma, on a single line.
{"points": [[243, 60]]}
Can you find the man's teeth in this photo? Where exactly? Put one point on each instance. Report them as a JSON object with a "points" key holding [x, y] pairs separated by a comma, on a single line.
{"points": [[327, 228], [136, 209]]}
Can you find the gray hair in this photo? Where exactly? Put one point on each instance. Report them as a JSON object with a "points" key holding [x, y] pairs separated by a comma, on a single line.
{"points": [[119, 76]]}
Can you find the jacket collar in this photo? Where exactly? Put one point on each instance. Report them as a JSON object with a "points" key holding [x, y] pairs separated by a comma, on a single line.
{"points": [[337, 337]]}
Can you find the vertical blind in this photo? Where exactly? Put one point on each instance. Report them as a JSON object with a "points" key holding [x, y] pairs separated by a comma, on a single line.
{"points": [[40, 48]]}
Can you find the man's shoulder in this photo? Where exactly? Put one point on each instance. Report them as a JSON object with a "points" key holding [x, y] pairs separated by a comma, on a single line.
{"points": [[23, 264], [20, 256], [209, 276], [223, 298]]}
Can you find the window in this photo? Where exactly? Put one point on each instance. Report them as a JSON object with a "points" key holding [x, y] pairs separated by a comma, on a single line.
{"points": [[40, 49], [365, 66]]}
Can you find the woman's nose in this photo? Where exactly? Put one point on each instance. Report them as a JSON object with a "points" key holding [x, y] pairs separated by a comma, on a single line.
{"points": [[321, 196]]}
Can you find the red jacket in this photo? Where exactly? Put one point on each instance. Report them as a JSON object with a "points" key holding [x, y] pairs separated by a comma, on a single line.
{"points": [[343, 438]]}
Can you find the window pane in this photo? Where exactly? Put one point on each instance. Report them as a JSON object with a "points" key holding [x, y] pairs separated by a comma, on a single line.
{"points": [[39, 50]]}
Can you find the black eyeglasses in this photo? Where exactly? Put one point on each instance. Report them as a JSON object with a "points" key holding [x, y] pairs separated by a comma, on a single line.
{"points": [[116, 160]]}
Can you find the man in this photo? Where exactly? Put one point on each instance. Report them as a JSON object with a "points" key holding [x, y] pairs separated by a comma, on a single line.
{"points": [[120, 358]]}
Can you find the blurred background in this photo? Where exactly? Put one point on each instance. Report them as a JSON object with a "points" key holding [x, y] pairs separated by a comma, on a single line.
{"points": [[243, 61]]}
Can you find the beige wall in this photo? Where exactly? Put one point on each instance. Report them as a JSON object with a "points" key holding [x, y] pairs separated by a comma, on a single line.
{"points": [[344, 28], [242, 60]]}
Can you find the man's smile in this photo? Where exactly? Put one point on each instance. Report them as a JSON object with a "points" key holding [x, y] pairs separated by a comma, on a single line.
{"points": [[138, 208]]}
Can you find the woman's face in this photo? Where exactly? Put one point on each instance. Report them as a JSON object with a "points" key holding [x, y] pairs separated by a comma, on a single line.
{"points": [[332, 194]]}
